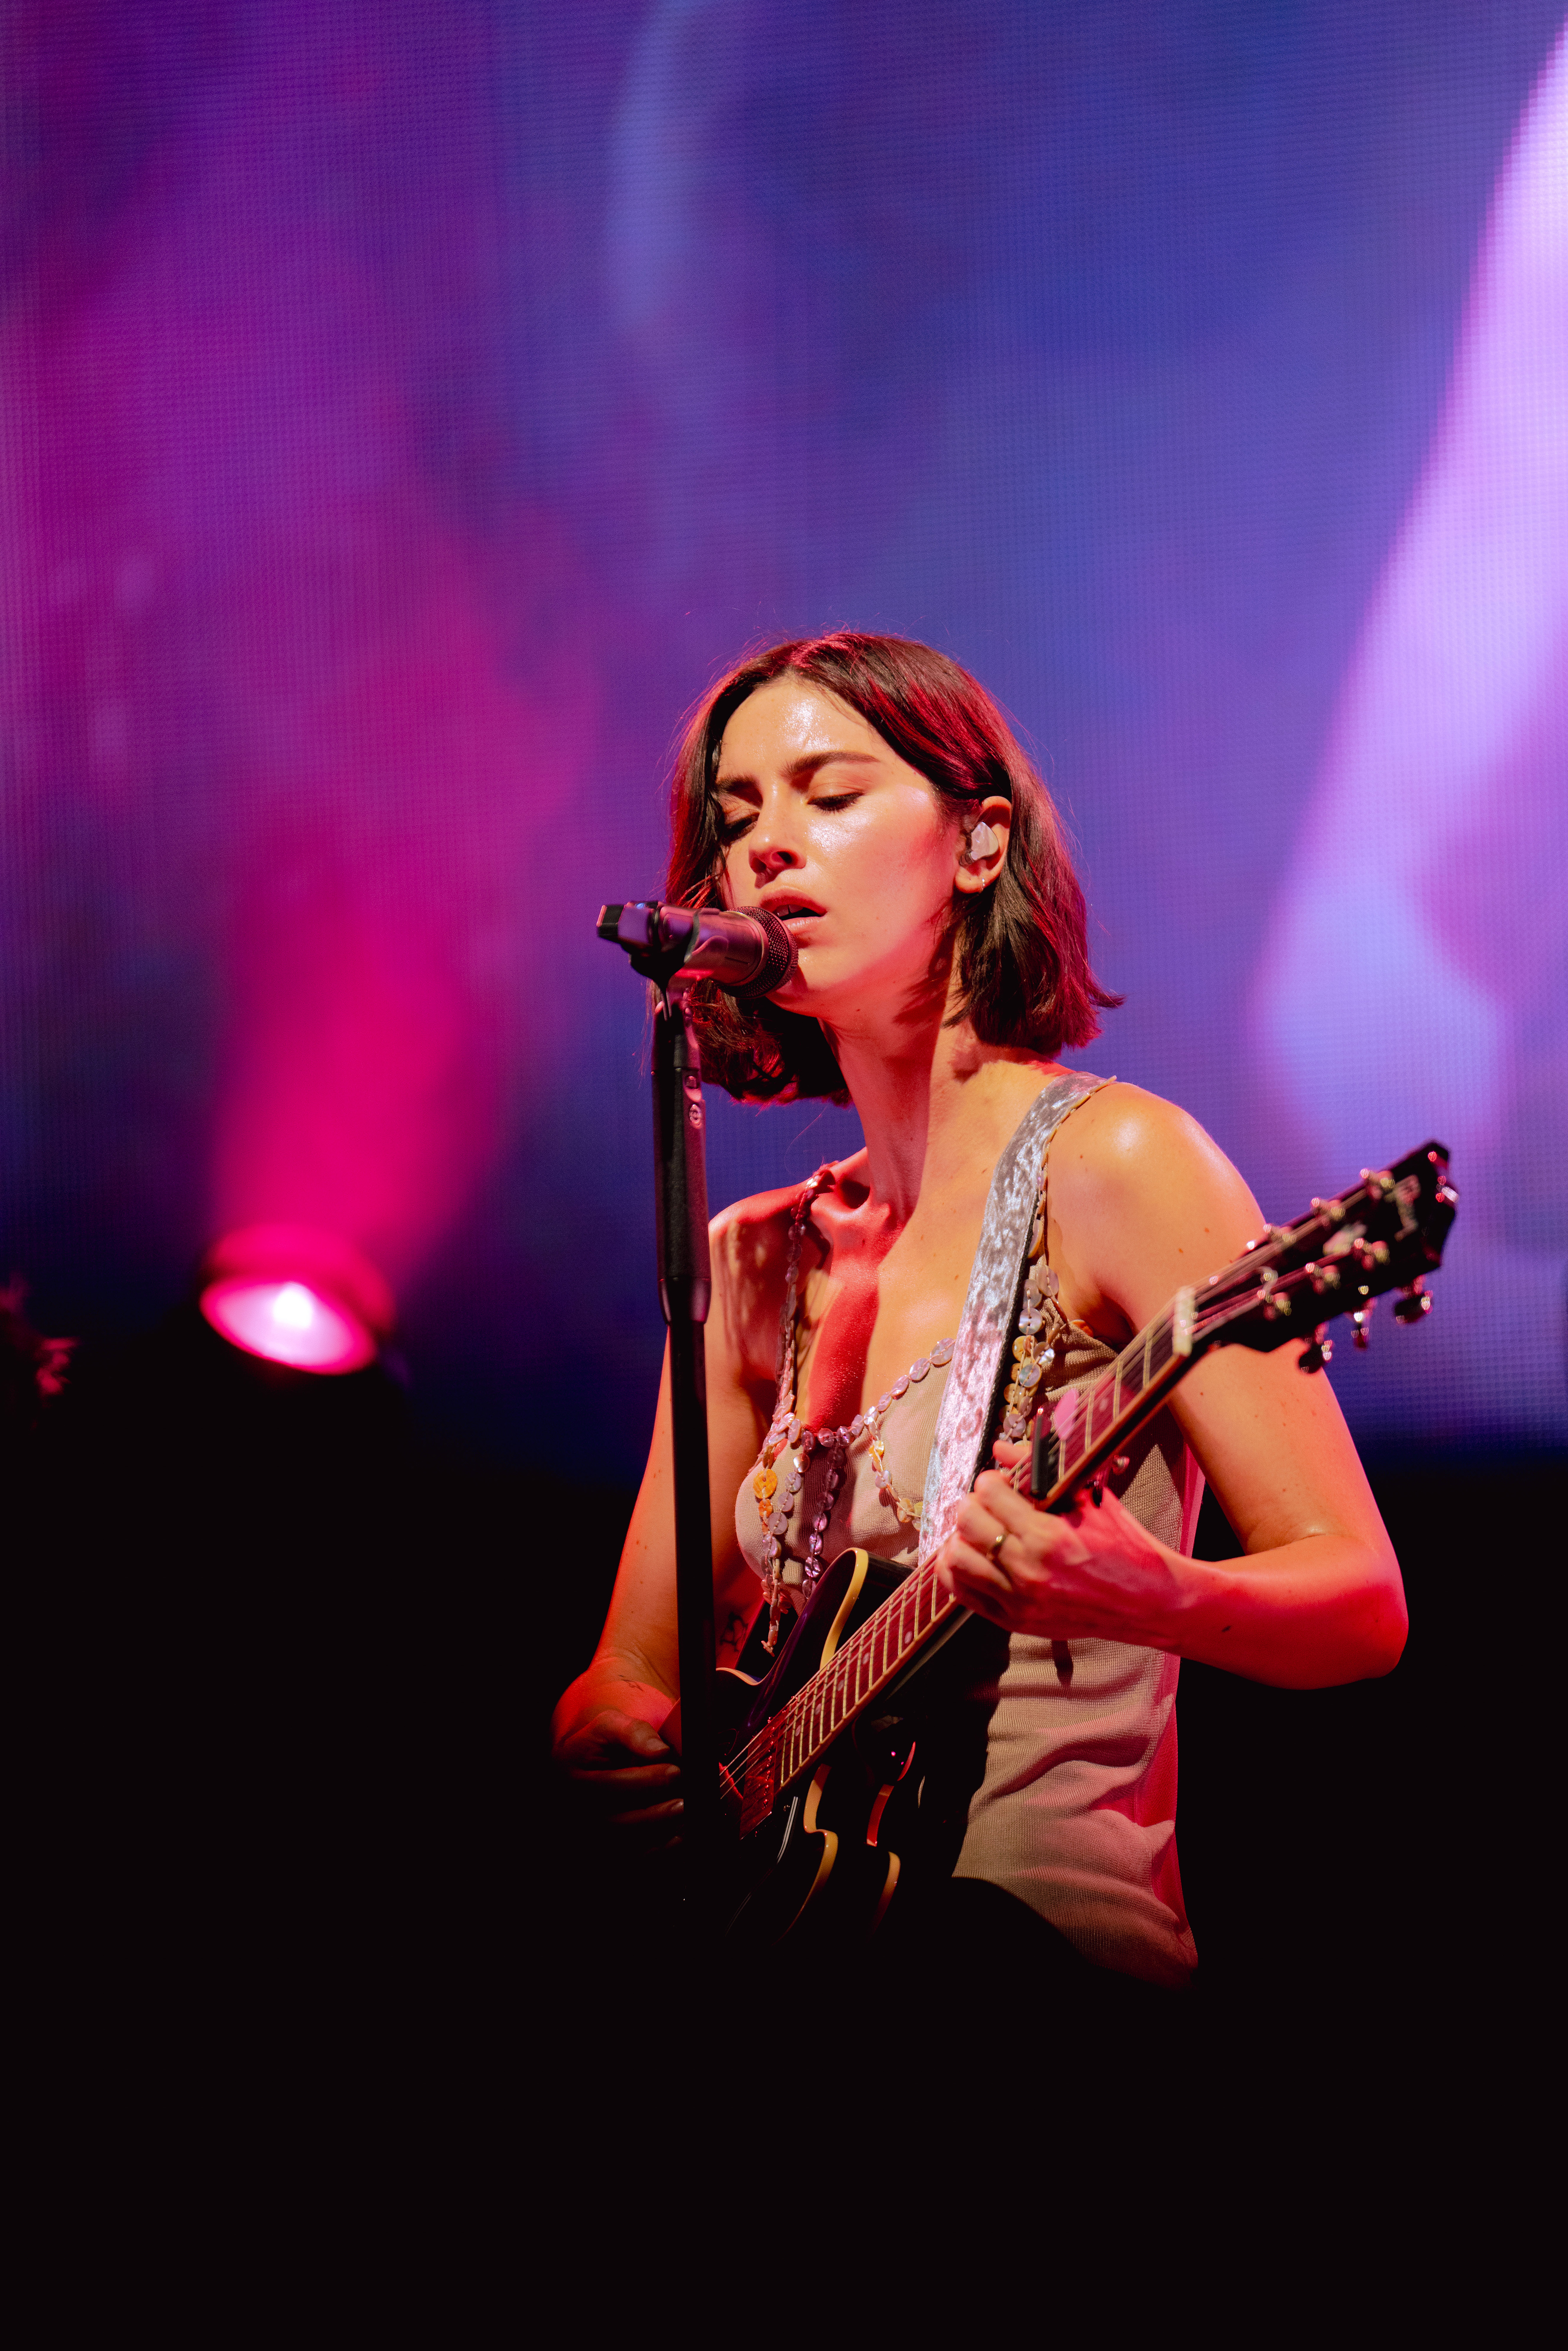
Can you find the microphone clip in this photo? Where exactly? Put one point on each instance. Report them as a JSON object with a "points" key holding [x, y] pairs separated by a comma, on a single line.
{"points": [[652, 947]]}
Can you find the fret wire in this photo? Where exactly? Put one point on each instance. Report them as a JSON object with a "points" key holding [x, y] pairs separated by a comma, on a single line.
{"points": [[813, 1716], [1128, 1380]]}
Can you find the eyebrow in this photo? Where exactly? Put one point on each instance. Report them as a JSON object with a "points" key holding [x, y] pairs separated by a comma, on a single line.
{"points": [[806, 766]]}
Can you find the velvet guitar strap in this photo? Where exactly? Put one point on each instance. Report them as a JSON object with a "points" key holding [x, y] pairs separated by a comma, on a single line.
{"points": [[982, 1360]]}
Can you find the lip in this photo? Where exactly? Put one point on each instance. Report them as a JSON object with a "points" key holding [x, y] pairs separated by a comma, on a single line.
{"points": [[794, 901]]}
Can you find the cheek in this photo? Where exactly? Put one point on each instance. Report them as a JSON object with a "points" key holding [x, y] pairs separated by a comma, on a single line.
{"points": [[899, 859]]}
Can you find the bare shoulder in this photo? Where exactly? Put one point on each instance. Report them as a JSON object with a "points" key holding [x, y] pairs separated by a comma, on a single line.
{"points": [[1142, 1200], [750, 1237], [1135, 1141], [748, 1243]]}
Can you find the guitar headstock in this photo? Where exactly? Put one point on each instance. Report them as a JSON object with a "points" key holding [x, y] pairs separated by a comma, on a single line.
{"points": [[1384, 1233]]}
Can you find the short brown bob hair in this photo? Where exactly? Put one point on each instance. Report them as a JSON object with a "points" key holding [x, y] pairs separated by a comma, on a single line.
{"points": [[1022, 956]]}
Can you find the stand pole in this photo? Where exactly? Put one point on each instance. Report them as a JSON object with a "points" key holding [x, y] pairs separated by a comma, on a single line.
{"points": [[685, 1289]]}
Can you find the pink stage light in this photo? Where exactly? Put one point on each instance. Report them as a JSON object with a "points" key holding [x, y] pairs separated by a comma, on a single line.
{"points": [[296, 1296], [288, 1324]]}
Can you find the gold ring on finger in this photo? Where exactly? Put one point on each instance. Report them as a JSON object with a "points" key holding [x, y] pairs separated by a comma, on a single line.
{"points": [[997, 1545]]}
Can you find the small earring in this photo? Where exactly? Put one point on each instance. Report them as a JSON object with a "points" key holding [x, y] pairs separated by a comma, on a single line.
{"points": [[982, 843]]}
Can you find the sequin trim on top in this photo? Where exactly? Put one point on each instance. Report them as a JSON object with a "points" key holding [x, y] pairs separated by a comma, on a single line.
{"points": [[789, 1446], [1031, 1361]]}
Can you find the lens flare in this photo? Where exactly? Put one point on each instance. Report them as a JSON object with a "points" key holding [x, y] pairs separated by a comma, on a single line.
{"points": [[295, 1295], [287, 1323]]}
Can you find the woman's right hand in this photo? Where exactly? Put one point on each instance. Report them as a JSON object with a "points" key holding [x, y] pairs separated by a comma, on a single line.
{"points": [[625, 1778]]}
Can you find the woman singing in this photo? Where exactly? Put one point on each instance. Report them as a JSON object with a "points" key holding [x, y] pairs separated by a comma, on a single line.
{"points": [[867, 791]]}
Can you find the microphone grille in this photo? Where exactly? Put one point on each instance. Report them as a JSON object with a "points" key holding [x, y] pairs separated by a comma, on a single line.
{"points": [[777, 957]]}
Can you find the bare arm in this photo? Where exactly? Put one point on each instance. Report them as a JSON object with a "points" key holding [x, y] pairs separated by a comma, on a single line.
{"points": [[1143, 1202], [614, 1710]]}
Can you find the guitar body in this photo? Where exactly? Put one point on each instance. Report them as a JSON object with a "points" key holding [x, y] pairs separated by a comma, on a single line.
{"points": [[840, 1844]]}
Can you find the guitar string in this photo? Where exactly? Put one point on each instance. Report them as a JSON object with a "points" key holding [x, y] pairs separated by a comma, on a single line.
{"points": [[860, 1645], [1226, 1290]]}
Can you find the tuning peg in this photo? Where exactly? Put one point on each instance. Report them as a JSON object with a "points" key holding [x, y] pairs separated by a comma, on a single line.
{"points": [[1361, 1318], [1415, 1302], [1317, 1351]]}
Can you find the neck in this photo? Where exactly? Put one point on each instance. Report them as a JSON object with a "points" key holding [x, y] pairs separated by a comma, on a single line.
{"points": [[936, 1106]]}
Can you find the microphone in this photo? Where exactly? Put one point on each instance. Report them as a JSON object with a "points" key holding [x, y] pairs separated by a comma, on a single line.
{"points": [[749, 954]]}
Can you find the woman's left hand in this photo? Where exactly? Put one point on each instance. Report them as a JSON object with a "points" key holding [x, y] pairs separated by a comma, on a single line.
{"points": [[1091, 1573]]}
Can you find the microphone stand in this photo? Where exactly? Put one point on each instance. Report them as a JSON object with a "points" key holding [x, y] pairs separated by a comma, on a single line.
{"points": [[686, 1286], [666, 945]]}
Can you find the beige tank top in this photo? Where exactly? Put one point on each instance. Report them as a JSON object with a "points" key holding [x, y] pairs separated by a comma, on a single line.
{"points": [[1075, 1813]]}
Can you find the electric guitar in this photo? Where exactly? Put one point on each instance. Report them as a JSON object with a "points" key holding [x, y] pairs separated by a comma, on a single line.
{"points": [[823, 1798]]}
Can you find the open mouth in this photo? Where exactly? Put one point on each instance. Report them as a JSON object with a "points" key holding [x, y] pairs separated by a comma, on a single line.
{"points": [[795, 913]]}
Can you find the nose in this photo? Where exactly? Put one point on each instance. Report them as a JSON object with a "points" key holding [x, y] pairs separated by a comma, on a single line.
{"points": [[770, 852]]}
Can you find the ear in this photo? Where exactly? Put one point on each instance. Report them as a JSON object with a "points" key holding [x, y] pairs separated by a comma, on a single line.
{"points": [[977, 874]]}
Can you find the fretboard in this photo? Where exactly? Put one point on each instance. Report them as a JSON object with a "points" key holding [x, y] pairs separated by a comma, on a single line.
{"points": [[1089, 1423]]}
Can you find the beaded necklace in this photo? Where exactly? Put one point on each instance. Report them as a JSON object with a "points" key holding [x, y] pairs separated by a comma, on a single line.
{"points": [[788, 1434]]}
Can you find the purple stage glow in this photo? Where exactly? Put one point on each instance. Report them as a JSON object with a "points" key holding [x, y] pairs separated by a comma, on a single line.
{"points": [[1426, 914], [403, 412]]}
